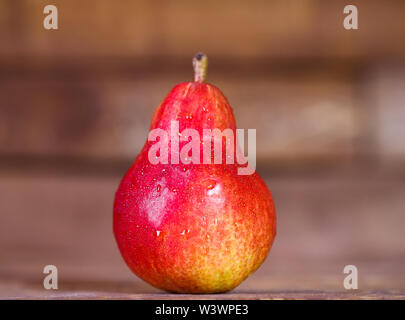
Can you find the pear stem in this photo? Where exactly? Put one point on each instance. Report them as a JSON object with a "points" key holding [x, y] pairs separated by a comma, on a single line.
{"points": [[200, 64]]}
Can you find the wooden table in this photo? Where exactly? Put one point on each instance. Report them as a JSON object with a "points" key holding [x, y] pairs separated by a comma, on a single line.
{"points": [[325, 221]]}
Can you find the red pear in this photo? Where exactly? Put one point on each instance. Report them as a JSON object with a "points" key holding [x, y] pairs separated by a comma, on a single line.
{"points": [[192, 227]]}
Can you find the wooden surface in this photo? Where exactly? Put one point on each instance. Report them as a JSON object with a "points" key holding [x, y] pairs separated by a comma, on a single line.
{"points": [[325, 221]]}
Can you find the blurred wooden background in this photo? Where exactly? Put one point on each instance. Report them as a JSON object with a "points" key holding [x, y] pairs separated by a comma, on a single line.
{"points": [[327, 103]]}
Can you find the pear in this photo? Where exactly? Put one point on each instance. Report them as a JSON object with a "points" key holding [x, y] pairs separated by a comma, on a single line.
{"points": [[187, 225]]}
